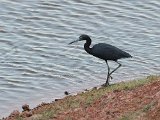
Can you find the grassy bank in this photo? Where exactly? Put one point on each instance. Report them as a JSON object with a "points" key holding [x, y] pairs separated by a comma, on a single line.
{"points": [[109, 102]]}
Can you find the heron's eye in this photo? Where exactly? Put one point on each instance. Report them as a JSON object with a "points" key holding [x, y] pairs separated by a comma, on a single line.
{"points": [[80, 37]]}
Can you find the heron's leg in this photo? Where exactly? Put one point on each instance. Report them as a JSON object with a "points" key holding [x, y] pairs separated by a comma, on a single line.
{"points": [[108, 75], [115, 68], [108, 70]]}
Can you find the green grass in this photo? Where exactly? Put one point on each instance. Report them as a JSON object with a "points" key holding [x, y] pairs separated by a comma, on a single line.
{"points": [[134, 115], [146, 108], [131, 115], [87, 98]]}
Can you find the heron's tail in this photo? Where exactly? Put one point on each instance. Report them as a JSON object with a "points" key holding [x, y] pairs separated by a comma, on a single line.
{"points": [[129, 56]]}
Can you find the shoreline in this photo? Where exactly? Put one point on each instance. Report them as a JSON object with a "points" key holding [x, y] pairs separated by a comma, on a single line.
{"points": [[73, 106]]}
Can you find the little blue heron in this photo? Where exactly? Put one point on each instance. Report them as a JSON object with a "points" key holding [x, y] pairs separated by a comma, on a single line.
{"points": [[103, 51]]}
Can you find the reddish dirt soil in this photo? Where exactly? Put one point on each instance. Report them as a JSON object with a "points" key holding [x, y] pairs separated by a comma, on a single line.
{"points": [[141, 103]]}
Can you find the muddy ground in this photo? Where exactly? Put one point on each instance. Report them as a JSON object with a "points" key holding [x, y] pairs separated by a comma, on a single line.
{"points": [[139, 103]]}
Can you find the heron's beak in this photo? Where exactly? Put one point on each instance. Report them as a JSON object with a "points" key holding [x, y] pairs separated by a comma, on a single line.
{"points": [[73, 41]]}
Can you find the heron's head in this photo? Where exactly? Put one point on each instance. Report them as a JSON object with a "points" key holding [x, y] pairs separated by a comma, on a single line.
{"points": [[81, 38]]}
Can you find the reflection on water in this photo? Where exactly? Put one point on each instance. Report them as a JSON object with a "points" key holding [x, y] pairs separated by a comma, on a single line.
{"points": [[37, 64]]}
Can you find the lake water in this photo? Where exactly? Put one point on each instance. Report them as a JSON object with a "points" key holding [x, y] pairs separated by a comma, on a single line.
{"points": [[37, 64]]}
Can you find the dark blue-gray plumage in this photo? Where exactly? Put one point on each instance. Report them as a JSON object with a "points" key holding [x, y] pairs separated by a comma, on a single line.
{"points": [[104, 51]]}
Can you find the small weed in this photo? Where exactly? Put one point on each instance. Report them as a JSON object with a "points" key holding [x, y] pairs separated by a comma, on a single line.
{"points": [[125, 118], [146, 108], [131, 115]]}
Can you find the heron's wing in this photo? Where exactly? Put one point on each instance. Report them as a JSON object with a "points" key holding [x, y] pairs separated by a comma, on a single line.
{"points": [[107, 52]]}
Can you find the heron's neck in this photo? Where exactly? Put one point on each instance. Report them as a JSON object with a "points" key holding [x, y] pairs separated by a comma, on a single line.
{"points": [[86, 46]]}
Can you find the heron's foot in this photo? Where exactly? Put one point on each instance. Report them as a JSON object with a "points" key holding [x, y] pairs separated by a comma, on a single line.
{"points": [[105, 85]]}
